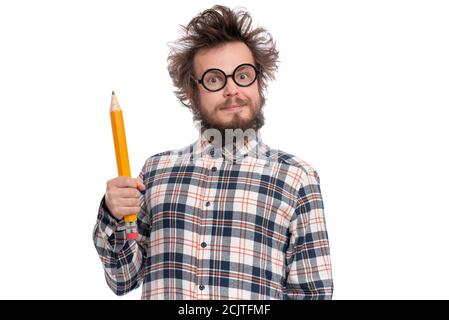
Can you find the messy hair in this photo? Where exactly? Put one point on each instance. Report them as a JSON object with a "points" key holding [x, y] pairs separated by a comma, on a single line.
{"points": [[211, 28]]}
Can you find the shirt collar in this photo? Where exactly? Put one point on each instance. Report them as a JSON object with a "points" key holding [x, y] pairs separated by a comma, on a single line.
{"points": [[246, 144]]}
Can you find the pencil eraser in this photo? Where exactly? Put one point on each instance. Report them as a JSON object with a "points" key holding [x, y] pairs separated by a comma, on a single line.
{"points": [[131, 236]]}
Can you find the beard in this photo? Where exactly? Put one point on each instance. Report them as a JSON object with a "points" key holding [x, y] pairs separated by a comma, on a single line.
{"points": [[255, 121]]}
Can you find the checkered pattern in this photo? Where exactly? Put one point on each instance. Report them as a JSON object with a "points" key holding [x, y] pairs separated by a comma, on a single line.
{"points": [[219, 223]]}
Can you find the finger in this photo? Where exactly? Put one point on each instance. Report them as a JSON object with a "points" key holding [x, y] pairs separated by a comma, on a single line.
{"points": [[140, 184], [129, 210], [128, 193], [125, 182], [128, 202]]}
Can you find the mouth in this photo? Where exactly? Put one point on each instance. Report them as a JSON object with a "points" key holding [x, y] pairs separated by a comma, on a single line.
{"points": [[233, 108]]}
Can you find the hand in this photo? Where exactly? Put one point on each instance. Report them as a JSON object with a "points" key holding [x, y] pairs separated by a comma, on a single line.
{"points": [[123, 196]]}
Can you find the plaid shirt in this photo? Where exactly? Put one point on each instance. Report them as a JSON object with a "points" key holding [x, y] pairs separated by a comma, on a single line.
{"points": [[221, 223]]}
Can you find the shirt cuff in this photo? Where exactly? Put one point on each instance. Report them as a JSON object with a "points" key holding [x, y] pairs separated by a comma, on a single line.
{"points": [[107, 222]]}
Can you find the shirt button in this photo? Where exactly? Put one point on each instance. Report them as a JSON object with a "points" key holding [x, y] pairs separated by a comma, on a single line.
{"points": [[204, 244], [207, 203], [202, 287], [214, 169]]}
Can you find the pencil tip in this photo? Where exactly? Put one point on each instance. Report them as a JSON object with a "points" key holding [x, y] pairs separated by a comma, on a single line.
{"points": [[114, 103]]}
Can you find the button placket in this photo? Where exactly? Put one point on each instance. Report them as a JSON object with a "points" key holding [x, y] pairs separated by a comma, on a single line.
{"points": [[203, 253]]}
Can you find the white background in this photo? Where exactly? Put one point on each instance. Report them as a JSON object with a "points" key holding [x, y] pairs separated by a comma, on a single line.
{"points": [[361, 94]]}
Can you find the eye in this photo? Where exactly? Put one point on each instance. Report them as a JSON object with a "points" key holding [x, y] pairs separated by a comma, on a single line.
{"points": [[243, 76], [214, 79]]}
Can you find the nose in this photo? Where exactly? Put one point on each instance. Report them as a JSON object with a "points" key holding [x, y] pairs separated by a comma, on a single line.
{"points": [[231, 88]]}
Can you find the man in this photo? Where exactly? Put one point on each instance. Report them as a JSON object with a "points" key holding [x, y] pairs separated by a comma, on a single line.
{"points": [[226, 217]]}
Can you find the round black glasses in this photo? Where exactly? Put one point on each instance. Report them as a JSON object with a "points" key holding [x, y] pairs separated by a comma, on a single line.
{"points": [[215, 79]]}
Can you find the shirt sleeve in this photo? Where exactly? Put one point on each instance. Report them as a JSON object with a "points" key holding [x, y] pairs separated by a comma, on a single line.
{"points": [[309, 274], [122, 260]]}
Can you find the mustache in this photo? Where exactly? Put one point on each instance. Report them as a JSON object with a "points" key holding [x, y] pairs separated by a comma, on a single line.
{"points": [[230, 101]]}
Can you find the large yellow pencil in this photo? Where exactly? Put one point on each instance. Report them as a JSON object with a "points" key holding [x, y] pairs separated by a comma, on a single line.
{"points": [[121, 155]]}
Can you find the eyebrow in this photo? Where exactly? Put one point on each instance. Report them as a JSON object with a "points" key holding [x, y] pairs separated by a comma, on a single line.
{"points": [[202, 72]]}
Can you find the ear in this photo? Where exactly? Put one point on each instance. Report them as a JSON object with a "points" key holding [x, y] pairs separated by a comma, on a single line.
{"points": [[190, 95]]}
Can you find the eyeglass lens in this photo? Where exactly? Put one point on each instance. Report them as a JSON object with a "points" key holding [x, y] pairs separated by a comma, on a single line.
{"points": [[216, 79]]}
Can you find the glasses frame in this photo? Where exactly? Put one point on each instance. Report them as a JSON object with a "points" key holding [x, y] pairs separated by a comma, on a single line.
{"points": [[226, 76]]}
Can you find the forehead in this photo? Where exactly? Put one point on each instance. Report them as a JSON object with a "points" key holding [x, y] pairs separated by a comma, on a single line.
{"points": [[225, 57]]}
